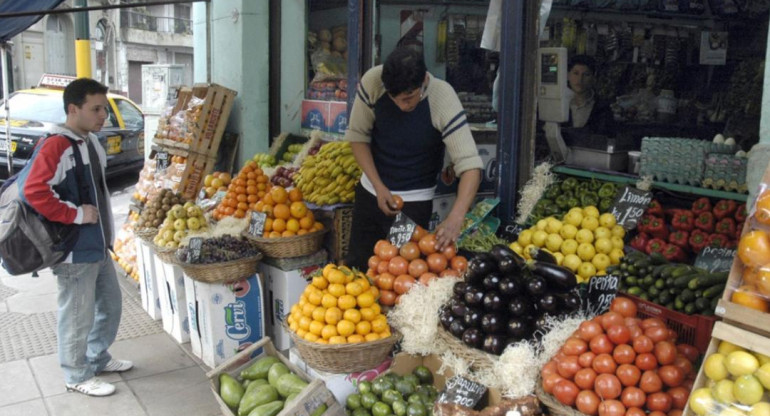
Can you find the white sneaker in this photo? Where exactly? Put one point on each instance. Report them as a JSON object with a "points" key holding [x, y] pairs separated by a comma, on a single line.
{"points": [[92, 387], [117, 366]]}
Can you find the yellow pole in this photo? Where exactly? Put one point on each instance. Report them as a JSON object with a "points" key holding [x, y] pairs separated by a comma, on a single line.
{"points": [[83, 58]]}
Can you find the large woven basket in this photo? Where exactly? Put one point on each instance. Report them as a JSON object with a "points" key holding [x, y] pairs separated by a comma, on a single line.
{"points": [[555, 407], [283, 247], [146, 234], [166, 255], [480, 360], [343, 358], [225, 272]]}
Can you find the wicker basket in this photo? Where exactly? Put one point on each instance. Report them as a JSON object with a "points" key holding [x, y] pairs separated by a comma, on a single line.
{"points": [[283, 247], [166, 255], [555, 408], [225, 272], [480, 360], [343, 358], [146, 234]]}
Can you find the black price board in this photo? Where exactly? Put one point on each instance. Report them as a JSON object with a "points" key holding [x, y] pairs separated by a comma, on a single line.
{"points": [[195, 249], [601, 292], [161, 161], [257, 223], [715, 259], [460, 390], [401, 230], [510, 232], [630, 205]]}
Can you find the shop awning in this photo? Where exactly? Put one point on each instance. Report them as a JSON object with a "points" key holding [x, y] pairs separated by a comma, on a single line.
{"points": [[12, 26]]}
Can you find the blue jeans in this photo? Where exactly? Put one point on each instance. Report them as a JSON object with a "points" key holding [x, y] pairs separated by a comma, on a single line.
{"points": [[89, 315]]}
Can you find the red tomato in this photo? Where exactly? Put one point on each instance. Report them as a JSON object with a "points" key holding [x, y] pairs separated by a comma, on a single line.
{"points": [[635, 331], [449, 251], [436, 262], [610, 319], [574, 346], [672, 336], [398, 201], [607, 386], [387, 297], [449, 272], [588, 330], [643, 344], [459, 263], [656, 413], [671, 375], [687, 383], [688, 351], [633, 397], [550, 381], [403, 283], [566, 392], [382, 267], [619, 334], [646, 361], [585, 378], [568, 366], [684, 364], [426, 278], [628, 374], [624, 354], [632, 321], [419, 233], [373, 262], [650, 322], [660, 402], [611, 408], [635, 411], [409, 251], [417, 267], [601, 344], [587, 402], [387, 251], [428, 244], [657, 333], [674, 412], [665, 352], [548, 369], [624, 306], [604, 364], [586, 359], [650, 382], [385, 281], [679, 397]]}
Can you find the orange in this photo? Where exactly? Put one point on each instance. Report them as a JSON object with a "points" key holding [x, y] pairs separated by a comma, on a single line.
{"points": [[352, 315], [747, 296], [320, 282], [367, 314], [279, 194], [243, 206], [319, 313], [365, 299], [763, 282], [304, 322], [274, 234], [379, 324], [329, 300], [363, 281], [338, 340], [335, 276], [301, 231], [241, 198], [295, 195], [239, 213], [240, 189], [333, 315], [268, 199], [281, 211], [754, 248], [750, 275], [346, 302], [327, 269], [268, 209], [288, 233], [301, 332], [292, 225], [363, 328], [316, 327], [298, 209], [372, 336], [336, 289], [376, 309], [762, 213], [314, 299], [318, 226], [306, 223], [329, 331], [345, 328], [354, 288], [355, 338], [252, 199], [309, 336], [269, 227], [279, 225], [251, 190], [322, 341]]}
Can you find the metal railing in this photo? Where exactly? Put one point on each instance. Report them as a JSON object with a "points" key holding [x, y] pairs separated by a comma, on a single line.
{"points": [[142, 21]]}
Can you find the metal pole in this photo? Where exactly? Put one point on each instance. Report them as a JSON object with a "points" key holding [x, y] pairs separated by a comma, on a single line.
{"points": [[82, 42], [6, 93]]}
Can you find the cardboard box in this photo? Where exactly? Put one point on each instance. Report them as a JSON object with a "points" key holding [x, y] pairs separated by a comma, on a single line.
{"points": [[283, 290], [173, 303], [316, 115], [339, 221], [338, 117], [341, 385], [312, 396], [225, 318], [148, 286], [488, 154]]}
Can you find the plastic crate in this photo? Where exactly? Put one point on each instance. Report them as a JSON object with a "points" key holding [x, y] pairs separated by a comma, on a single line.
{"points": [[692, 329]]}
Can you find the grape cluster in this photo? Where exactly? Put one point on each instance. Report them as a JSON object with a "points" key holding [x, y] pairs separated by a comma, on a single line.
{"points": [[218, 250]]}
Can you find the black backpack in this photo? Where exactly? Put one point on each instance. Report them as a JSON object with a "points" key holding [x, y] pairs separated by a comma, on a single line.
{"points": [[28, 241]]}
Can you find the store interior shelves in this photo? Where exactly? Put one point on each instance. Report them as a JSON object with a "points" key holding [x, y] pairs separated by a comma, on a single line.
{"points": [[627, 179]]}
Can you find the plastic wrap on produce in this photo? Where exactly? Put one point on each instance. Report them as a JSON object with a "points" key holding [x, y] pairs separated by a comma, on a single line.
{"points": [[541, 179]]}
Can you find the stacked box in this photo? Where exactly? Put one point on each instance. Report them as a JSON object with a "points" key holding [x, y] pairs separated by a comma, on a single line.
{"points": [[674, 160], [173, 304], [148, 284]]}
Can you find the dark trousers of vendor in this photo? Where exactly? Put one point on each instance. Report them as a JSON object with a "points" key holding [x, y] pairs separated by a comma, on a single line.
{"points": [[371, 224]]}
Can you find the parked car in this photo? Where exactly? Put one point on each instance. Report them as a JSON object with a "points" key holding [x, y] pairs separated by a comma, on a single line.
{"points": [[34, 111]]}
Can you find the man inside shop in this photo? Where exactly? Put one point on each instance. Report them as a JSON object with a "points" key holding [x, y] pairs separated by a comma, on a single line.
{"points": [[402, 120], [587, 112]]}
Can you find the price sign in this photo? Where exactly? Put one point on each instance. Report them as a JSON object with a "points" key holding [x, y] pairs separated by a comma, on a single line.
{"points": [[195, 249], [257, 223], [715, 259], [401, 231], [601, 292], [630, 205], [510, 232], [460, 390], [161, 161]]}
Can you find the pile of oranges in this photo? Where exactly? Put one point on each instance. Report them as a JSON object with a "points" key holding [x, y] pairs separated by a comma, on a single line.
{"points": [[339, 306], [287, 214], [395, 270], [243, 192], [215, 182]]}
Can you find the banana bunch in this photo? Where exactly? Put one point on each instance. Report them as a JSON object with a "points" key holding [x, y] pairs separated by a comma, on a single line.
{"points": [[330, 176]]}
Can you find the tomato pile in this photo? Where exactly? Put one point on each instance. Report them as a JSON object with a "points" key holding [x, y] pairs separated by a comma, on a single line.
{"points": [[619, 365], [395, 270]]}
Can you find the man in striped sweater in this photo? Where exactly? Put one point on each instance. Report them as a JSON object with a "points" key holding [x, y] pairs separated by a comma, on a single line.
{"points": [[402, 120]]}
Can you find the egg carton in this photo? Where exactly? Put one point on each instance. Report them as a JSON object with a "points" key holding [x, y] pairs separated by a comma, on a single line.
{"points": [[674, 160]]}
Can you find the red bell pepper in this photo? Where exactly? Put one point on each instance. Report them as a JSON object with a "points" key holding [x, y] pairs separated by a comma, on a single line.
{"points": [[679, 238], [724, 208], [683, 220], [717, 240], [705, 222], [655, 208], [732, 244], [725, 226], [738, 232], [639, 242], [741, 214], [656, 245], [658, 229], [698, 240], [674, 253], [701, 205], [644, 223]]}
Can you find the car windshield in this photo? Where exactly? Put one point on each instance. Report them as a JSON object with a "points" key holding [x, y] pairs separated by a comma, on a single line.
{"points": [[35, 107]]}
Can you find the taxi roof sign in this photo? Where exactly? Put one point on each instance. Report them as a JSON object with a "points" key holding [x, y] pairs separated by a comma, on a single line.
{"points": [[55, 81]]}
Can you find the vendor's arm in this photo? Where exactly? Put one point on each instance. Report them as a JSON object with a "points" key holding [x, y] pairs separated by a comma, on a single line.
{"points": [[359, 134], [448, 231]]}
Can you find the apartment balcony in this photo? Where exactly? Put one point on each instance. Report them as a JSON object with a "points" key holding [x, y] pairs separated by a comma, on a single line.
{"points": [[142, 28]]}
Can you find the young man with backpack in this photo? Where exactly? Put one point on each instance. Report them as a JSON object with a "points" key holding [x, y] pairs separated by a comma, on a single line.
{"points": [[89, 296]]}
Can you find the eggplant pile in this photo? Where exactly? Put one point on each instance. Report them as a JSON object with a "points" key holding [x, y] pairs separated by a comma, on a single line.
{"points": [[505, 299]]}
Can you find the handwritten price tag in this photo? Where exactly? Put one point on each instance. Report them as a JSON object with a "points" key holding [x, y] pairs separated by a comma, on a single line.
{"points": [[401, 231], [459, 390], [601, 291], [257, 223], [714, 259], [195, 249], [161, 161], [630, 205]]}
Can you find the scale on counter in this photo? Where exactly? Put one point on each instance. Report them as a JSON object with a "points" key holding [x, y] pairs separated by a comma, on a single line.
{"points": [[553, 97]]}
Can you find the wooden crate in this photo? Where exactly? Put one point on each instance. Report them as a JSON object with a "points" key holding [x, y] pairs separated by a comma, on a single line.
{"points": [[213, 119], [740, 337], [340, 222], [196, 169]]}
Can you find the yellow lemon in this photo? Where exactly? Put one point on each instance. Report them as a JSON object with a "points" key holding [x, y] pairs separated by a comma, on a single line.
{"points": [[607, 220], [572, 262], [591, 211], [525, 238], [584, 237], [574, 218], [540, 225], [569, 246], [601, 232], [328, 300], [538, 237], [701, 402], [586, 252], [553, 225], [740, 363], [615, 255], [603, 245], [714, 367], [568, 231], [307, 309], [304, 323], [760, 409], [373, 336], [726, 347], [586, 270], [601, 261], [589, 223], [618, 231]]}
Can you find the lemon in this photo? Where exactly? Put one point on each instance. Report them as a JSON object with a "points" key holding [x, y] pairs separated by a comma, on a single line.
{"points": [[591, 211], [528, 249], [607, 220], [603, 245], [617, 242], [586, 270], [553, 242], [714, 367], [525, 238], [726, 347], [574, 218], [568, 231], [584, 236], [618, 231], [760, 409], [602, 232], [747, 389], [763, 375], [569, 247], [740, 363], [540, 225], [586, 252], [553, 225], [589, 223], [701, 401], [559, 257], [763, 359], [601, 261], [516, 247], [723, 391], [572, 262], [538, 238], [615, 255]]}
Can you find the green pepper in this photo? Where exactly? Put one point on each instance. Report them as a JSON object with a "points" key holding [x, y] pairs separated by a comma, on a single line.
{"points": [[552, 210], [607, 190], [572, 202], [553, 191], [605, 205], [582, 188], [588, 199], [569, 184], [594, 185], [561, 201]]}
